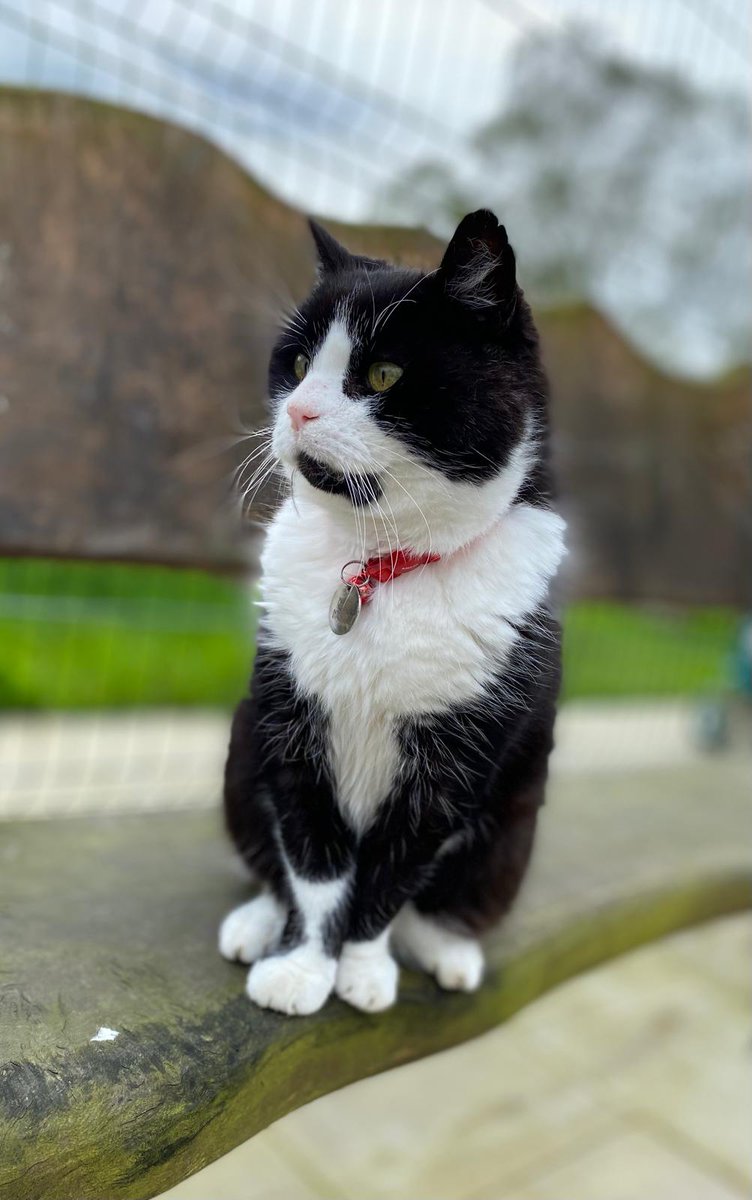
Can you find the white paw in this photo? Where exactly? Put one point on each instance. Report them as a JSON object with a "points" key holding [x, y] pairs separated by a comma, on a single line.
{"points": [[367, 976], [251, 931], [455, 960], [296, 983], [459, 966]]}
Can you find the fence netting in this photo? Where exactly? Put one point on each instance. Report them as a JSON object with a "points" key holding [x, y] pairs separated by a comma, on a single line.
{"points": [[612, 138]]}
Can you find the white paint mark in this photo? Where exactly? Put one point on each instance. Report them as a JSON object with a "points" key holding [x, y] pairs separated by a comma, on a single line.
{"points": [[104, 1034]]}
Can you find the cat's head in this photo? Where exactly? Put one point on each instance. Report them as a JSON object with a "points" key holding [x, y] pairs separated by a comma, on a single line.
{"points": [[413, 403]]}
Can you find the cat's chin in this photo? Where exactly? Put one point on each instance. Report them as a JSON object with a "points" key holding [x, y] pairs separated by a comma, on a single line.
{"points": [[360, 488]]}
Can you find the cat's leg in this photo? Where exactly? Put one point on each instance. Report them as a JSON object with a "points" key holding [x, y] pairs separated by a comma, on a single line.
{"points": [[316, 855], [281, 813], [475, 880], [300, 977], [455, 959], [253, 930], [476, 883], [367, 975], [392, 864]]}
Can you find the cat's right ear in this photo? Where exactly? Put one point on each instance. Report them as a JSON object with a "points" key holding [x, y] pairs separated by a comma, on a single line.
{"points": [[478, 267], [331, 255]]}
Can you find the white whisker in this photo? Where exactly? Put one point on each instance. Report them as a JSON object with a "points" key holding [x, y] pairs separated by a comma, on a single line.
{"points": [[410, 497]]}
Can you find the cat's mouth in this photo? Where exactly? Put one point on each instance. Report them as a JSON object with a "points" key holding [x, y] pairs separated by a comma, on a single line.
{"points": [[360, 488]]}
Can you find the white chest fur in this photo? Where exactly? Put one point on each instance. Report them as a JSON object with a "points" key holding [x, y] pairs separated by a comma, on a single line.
{"points": [[428, 640]]}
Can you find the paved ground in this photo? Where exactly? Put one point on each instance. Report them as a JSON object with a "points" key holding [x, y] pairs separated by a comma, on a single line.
{"points": [[631, 1083], [62, 763]]}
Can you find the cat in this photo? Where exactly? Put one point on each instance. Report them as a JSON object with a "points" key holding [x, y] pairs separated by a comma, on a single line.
{"points": [[385, 773]]}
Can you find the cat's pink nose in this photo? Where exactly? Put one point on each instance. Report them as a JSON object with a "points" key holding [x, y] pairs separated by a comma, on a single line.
{"points": [[300, 411]]}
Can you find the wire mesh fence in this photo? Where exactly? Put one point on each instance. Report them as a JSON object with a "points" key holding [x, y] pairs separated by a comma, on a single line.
{"points": [[82, 635], [609, 135], [116, 683], [327, 102], [616, 128]]}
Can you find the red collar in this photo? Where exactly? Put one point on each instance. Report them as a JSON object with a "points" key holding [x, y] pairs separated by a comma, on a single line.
{"points": [[385, 568]]}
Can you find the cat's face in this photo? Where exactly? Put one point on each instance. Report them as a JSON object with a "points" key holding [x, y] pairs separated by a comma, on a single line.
{"points": [[415, 398]]}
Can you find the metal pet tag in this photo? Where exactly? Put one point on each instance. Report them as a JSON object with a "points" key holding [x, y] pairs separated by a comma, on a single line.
{"points": [[344, 609]]}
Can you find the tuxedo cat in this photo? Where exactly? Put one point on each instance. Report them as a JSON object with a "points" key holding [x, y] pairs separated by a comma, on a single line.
{"points": [[385, 773]]}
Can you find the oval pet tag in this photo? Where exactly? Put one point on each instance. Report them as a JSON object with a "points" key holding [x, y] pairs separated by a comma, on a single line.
{"points": [[344, 608]]}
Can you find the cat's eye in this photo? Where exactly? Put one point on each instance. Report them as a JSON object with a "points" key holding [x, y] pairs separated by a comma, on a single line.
{"points": [[382, 375], [300, 366]]}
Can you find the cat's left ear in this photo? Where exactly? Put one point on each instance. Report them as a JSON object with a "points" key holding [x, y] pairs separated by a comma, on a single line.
{"points": [[478, 268], [332, 256]]}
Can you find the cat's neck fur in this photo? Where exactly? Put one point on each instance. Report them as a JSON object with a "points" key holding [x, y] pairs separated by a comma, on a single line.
{"points": [[420, 514]]}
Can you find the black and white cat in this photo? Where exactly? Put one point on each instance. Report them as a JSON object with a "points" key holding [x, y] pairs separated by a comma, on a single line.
{"points": [[384, 783]]}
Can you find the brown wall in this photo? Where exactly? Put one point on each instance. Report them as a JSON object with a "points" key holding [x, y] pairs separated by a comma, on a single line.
{"points": [[140, 272]]}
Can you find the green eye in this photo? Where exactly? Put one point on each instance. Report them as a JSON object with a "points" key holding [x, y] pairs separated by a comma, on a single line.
{"points": [[381, 376], [301, 366]]}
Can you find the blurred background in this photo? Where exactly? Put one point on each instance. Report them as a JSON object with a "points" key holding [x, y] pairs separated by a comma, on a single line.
{"points": [[155, 159]]}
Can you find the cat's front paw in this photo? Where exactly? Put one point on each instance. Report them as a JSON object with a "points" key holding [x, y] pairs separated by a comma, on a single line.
{"points": [[296, 983], [367, 976], [252, 930]]}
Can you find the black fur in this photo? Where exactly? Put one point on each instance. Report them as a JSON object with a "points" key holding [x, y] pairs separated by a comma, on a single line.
{"points": [[359, 489], [476, 774], [458, 358]]}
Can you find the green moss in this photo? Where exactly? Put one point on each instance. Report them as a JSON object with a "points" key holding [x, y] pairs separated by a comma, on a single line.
{"points": [[130, 942]]}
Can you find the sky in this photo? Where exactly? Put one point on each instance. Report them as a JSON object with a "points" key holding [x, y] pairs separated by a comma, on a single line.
{"points": [[329, 103], [325, 100]]}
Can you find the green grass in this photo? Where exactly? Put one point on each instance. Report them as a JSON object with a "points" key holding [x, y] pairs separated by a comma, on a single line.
{"points": [[87, 635], [616, 650], [84, 635]]}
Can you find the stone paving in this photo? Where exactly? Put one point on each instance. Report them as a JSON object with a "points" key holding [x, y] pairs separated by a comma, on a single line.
{"points": [[166, 759], [631, 1083]]}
